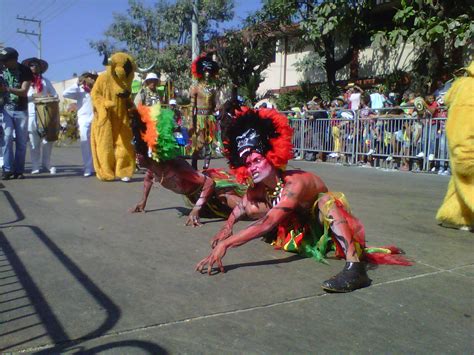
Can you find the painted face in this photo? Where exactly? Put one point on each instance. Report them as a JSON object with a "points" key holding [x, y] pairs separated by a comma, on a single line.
{"points": [[258, 167]]}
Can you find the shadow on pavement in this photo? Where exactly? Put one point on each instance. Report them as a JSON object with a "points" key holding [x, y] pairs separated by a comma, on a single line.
{"points": [[288, 259], [37, 307]]}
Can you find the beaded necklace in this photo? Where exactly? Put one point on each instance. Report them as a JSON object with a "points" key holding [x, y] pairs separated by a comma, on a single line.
{"points": [[274, 196]]}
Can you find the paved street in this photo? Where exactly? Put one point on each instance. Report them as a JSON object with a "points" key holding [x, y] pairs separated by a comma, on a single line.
{"points": [[79, 274]]}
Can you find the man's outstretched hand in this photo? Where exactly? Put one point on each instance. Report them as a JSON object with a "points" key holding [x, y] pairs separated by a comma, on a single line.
{"points": [[193, 219], [215, 257], [139, 207]]}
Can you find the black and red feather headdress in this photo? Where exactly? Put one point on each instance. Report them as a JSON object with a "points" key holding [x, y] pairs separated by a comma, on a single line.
{"points": [[265, 131], [204, 63]]}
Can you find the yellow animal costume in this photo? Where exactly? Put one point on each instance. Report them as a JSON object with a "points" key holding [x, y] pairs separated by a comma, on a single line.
{"points": [[458, 206], [111, 135]]}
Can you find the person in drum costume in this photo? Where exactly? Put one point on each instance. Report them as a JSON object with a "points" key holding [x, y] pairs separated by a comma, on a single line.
{"points": [[295, 209], [40, 147], [18, 78], [203, 97]]}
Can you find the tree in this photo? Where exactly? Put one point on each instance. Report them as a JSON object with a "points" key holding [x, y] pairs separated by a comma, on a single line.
{"points": [[326, 25], [161, 34], [440, 32], [243, 56]]}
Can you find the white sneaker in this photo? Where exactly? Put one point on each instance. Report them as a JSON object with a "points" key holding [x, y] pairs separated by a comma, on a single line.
{"points": [[126, 179], [441, 171], [431, 157], [52, 171], [447, 172], [389, 158], [87, 174], [36, 171], [420, 155], [433, 169], [370, 152]]}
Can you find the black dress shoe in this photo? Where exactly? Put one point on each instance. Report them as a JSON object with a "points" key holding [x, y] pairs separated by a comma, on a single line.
{"points": [[18, 176], [352, 277], [7, 175]]}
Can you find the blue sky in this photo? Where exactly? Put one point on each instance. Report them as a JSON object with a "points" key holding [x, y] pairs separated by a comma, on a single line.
{"points": [[67, 28]]}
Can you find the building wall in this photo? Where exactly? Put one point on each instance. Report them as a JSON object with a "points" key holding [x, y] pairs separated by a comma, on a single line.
{"points": [[282, 73]]}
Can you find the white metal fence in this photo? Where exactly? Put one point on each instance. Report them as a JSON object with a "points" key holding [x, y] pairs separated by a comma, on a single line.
{"points": [[389, 137]]}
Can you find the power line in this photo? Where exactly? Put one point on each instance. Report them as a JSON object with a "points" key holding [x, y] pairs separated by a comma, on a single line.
{"points": [[12, 24], [68, 59], [47, 7], [59, 11]]}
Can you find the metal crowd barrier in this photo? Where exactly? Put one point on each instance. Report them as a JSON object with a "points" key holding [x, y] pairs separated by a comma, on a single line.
{"points": [[390, 137]]}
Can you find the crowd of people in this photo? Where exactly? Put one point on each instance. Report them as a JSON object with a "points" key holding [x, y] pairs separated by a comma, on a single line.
{"points": [[365, 127]]}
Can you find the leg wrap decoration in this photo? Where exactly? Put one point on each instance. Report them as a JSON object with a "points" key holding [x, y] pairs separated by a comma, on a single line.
{"points": [[376, 255]]}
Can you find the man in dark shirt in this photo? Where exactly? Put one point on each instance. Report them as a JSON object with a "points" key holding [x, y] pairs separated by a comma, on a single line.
{"points": [[17, 79]]}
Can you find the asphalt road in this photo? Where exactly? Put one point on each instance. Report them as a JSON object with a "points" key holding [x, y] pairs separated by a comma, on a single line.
{"points": [[79, 274]]}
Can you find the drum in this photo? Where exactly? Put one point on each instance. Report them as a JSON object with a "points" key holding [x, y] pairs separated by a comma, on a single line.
{"points": [[47, 117]]}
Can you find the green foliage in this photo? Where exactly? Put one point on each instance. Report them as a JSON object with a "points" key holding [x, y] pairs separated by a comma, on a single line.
{"points": [[306, 92], [161, 34], [440, 32], [243, 56], [290, 99], [326, 91], [324, 23]]}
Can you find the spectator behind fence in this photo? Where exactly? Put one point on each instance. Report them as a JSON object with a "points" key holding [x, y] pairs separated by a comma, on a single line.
{"points": [[432, 125], [354, 98], [442, 164], [377, 99], [367, 130], [335, 128]]}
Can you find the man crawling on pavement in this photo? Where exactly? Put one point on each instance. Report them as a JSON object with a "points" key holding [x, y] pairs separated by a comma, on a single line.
{"points": [[298, 210], [212, 192]]}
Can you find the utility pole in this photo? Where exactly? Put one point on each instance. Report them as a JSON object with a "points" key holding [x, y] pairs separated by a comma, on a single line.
{"points": [[25, 32], [195, 30]]}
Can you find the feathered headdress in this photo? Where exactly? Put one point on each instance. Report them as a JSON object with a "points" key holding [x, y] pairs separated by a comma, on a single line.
{"points": [[157, 132], [265, 131], [202, 64]]}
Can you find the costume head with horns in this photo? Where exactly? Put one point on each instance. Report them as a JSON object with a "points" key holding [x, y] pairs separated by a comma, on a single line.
{"points": [[265, 131]]}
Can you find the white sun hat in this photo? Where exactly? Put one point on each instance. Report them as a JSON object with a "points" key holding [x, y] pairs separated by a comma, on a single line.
{"points": [[151, 76]]}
